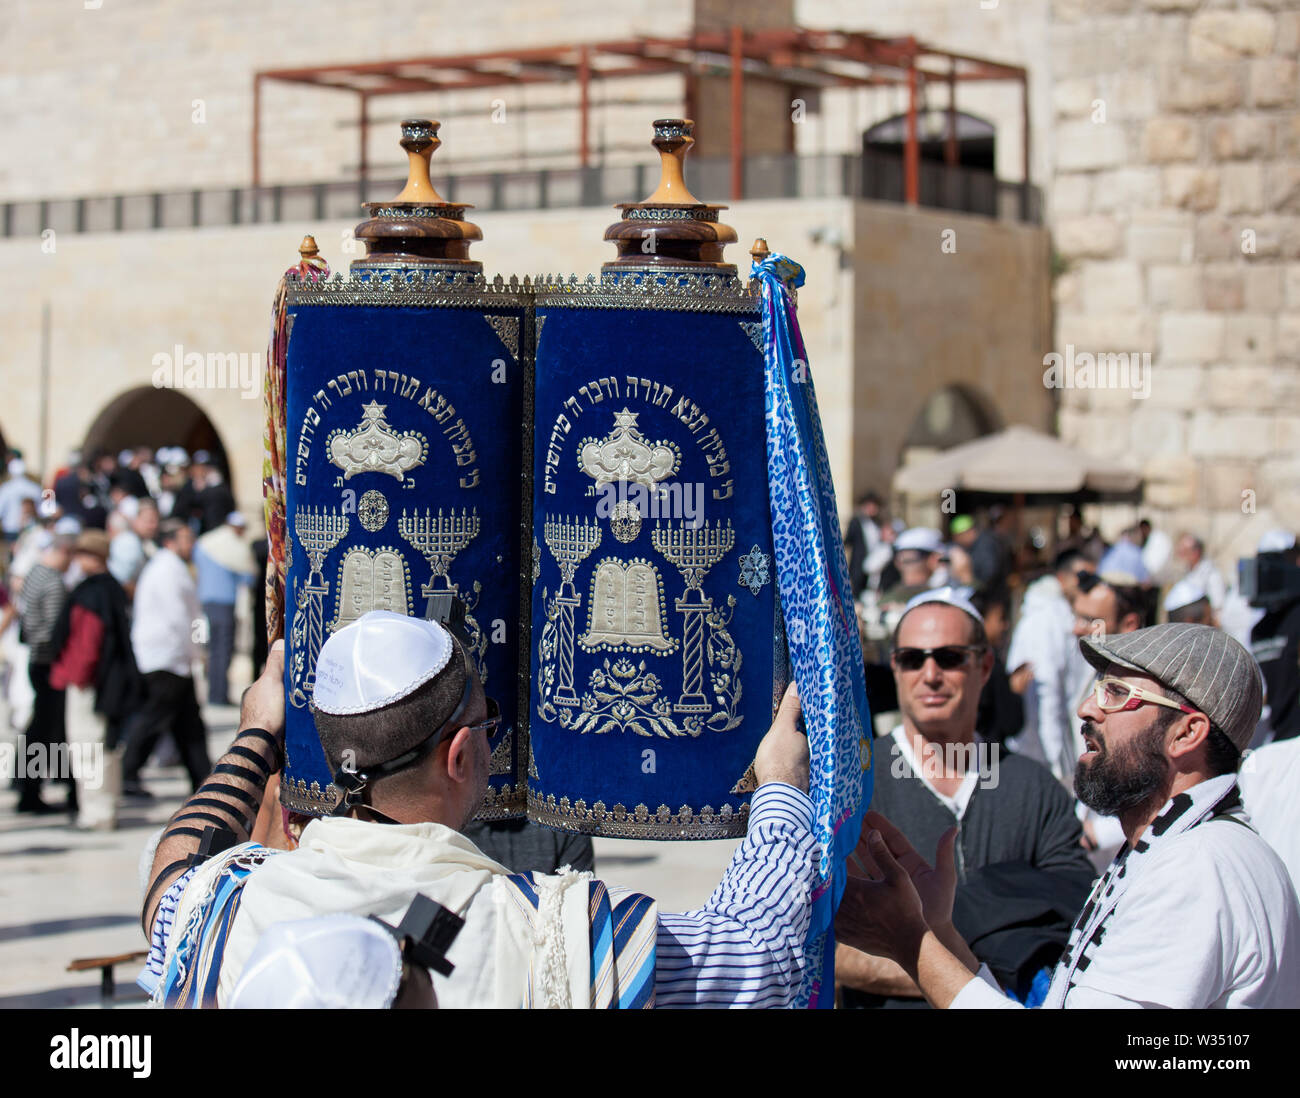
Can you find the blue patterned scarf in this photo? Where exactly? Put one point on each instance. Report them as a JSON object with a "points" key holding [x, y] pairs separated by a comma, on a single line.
{"points": [[820, 620]]}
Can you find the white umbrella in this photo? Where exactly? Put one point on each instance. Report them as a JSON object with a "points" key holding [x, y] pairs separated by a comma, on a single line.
{"points": [[1017, 459]]}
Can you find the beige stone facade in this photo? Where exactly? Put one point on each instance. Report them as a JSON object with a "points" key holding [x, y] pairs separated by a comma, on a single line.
{"points": [[1184, 242]]}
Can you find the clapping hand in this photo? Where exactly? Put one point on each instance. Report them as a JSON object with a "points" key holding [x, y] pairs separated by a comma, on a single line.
{"points": [[893, 895]]}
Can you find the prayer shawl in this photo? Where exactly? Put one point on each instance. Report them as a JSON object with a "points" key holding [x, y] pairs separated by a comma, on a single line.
{"points": [[817, 604], [1216, 798], [529, 940]]}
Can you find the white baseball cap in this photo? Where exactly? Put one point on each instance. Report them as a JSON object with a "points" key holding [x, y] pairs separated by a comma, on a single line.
{"points": [[379, 659]]}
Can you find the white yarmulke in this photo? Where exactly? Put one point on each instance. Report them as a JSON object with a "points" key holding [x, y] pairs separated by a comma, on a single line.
{"points": [[379, 659], [1276, 541], [924, 538], [340, 962], [1183, 593], [949, 596]]}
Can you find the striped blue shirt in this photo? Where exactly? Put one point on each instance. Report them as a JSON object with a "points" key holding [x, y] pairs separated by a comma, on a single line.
{"points": [[744, 948]]}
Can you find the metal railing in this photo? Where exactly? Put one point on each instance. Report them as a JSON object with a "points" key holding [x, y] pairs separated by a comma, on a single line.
{"points": [[766, 177]]}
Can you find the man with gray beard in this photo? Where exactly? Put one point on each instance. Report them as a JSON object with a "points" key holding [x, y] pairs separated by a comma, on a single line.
{"points": [[1195, 911]]}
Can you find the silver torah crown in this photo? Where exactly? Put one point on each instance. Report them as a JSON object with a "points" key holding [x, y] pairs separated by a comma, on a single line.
{"points": [[669, 289]]}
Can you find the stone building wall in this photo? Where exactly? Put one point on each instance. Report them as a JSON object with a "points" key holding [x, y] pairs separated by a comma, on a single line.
{"points": [[1175, 204], [106, 96]]}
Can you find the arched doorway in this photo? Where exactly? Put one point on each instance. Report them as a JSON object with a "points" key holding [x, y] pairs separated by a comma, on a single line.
{"points": [[154, 417], [951, 416], [957, 154]]}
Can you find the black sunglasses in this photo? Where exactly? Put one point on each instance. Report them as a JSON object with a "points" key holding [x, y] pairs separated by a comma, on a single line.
{"points": [[949, 657], [492, 721]]}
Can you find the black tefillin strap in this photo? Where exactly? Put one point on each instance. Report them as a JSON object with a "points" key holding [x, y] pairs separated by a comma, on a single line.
{"points": [[449, 612], [218, 838]]}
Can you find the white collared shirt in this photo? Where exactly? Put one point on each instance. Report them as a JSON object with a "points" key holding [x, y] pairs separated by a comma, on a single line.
{"points": [[957, 803], [166, 615]]}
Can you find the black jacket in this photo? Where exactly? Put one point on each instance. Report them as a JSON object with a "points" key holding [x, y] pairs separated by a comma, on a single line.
{"points": [[1275, 644], [118, 683]]}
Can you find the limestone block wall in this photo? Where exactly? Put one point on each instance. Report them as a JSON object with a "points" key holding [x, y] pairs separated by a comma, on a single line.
{"points": [[1175, 206], [127, 96]]}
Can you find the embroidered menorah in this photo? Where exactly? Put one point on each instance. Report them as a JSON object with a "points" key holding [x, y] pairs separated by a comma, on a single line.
{"points": [[570, 543], [694, 552], [318, 532], [438, 538]]}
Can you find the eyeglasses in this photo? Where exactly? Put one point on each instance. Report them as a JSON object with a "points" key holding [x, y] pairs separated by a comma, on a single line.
{"points": [[949, 657], [492, 722], [1115, 696]]}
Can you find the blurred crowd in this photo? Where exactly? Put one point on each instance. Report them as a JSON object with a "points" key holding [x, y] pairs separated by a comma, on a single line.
{"points": [[119, 579], [1038, 600], [1016, 694]]}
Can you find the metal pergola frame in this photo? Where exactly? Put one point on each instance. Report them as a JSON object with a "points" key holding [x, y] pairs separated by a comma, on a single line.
{"points": [[797, 57]]}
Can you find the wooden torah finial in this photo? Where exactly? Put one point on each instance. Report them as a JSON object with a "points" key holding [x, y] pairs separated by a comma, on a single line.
{"points": [[307, 250], [672, 229], [760, 250], [673, 138], [420, 140], [418, 228]]}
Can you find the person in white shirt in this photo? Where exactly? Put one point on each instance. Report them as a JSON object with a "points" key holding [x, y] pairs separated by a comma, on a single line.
{"points": [[168, 622], [1045, 658], [1190, 550], [13, 491], [1270, 786], [130, 549], [1197, 910]]}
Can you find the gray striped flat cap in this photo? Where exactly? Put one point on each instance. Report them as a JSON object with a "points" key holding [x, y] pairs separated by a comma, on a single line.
{"points": [[1203, 664]]}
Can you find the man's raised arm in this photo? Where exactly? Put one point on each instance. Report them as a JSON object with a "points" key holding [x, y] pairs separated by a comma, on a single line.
{"points": [[745, 946], [230, 799]]}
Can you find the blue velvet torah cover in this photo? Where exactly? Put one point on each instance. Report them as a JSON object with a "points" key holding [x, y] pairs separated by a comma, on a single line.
{"points": [[658, 646], [408, 422]]}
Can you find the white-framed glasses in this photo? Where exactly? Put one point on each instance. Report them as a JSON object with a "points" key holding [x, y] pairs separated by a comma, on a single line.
{"points": [[1115, 695]]}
